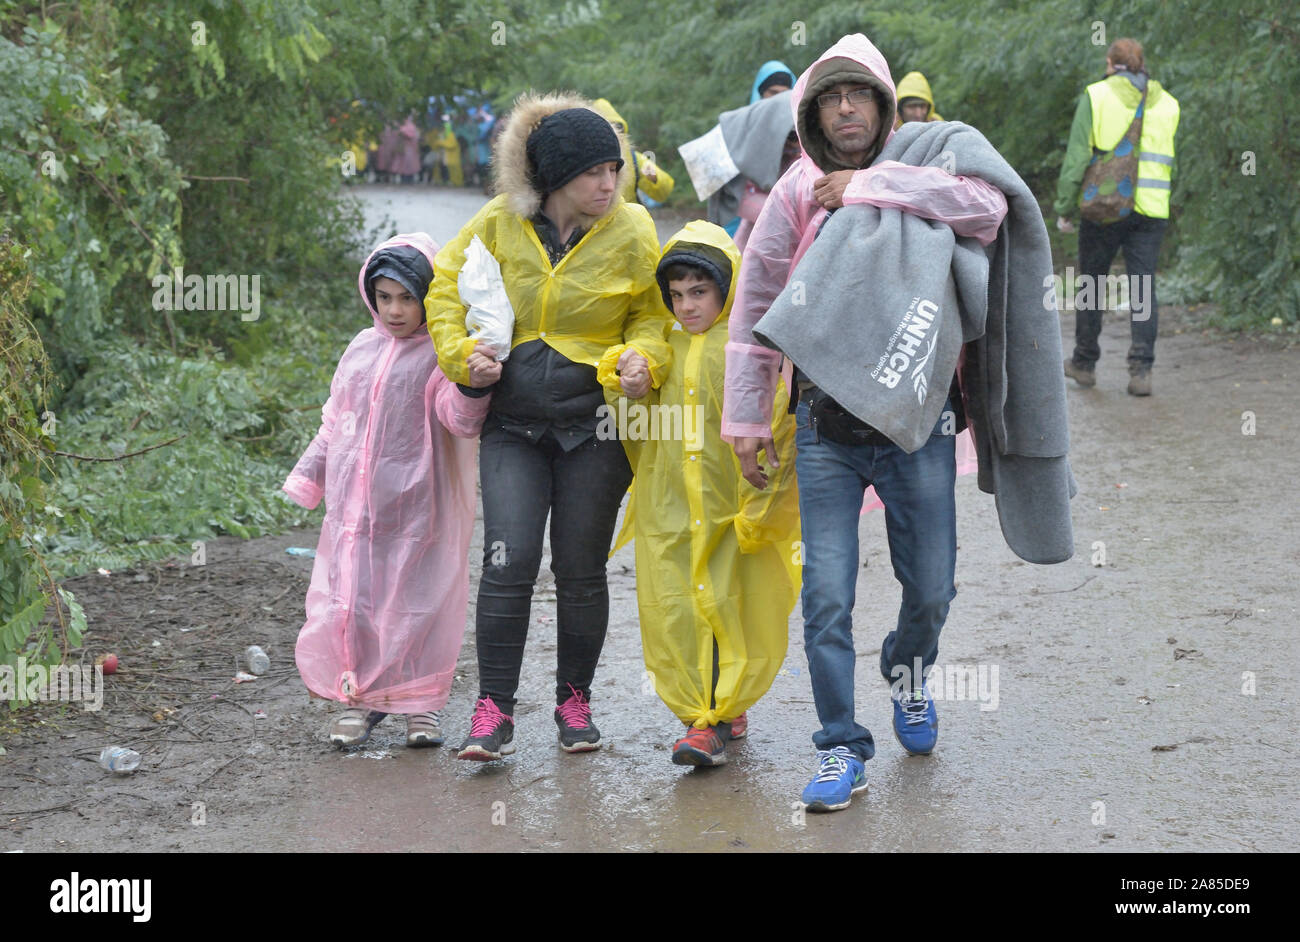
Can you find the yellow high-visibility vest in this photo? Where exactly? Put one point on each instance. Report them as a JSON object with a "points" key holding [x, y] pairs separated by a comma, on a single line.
{"points": [[1110, 121]]}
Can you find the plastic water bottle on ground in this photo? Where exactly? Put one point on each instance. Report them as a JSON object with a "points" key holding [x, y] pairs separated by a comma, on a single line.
{"points": [[119, 759], [257, 660]]}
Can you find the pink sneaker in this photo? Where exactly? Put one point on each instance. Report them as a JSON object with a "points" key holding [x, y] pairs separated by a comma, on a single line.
{"points": [[491, 734], [573, 716]]}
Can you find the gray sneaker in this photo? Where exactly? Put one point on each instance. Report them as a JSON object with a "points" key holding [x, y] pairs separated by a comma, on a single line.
{"points": [[352, 727], [577, 732], [423, 729]]}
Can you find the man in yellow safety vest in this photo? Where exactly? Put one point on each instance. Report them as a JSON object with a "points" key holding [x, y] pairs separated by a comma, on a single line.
{"points": [[1105, 112]]}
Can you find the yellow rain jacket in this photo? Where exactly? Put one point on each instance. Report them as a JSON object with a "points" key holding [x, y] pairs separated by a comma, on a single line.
{"points": [[445, 140], [600, 298], [915, 85], [361, 153], [641, 164], [716, 558]]}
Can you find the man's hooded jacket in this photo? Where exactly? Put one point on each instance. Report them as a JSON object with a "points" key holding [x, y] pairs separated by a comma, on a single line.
{"points": [[1016, 408]]}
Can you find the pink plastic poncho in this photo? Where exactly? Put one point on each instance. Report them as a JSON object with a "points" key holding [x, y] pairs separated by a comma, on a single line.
{"points": [[386, 604], [389, 140], [789, 222], [405, 158], [751, 205]]}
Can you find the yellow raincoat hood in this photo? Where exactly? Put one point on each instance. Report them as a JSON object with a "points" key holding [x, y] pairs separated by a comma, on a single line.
{"points": [[703, 238], [716, 558], [606, 111], [657, 189], [915, 85]]}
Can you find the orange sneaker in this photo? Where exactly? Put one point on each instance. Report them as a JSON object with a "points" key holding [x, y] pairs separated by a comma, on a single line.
{"points": [[700, 747], [740, 726]]}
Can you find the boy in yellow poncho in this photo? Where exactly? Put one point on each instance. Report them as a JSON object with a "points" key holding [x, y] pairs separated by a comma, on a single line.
{"points": [[717, 570]]}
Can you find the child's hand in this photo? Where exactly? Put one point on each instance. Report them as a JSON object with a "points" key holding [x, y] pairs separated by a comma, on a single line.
{"points": [[484, 370], [630, 360], [633, 373], [635, 383], [747, 450]]}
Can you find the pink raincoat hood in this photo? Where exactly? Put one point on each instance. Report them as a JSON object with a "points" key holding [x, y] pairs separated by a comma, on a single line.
{"points": [[416, 240], [859, 52]]}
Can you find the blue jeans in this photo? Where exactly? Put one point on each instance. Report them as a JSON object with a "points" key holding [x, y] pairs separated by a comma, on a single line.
{"points": [[921, 521]]}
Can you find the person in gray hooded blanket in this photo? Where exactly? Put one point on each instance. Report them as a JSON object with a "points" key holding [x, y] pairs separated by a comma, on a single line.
{"points": [[869, 270]]}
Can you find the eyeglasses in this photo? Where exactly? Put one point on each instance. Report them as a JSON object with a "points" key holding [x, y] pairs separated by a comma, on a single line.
{"points": [[859, 96]]}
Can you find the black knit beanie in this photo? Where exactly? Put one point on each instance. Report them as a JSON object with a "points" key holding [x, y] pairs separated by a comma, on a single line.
{"points": [[713, 261], [565, 144]]}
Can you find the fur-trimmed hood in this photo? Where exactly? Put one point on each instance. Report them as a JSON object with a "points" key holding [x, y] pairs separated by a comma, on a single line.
{"points": [[510, 156]]}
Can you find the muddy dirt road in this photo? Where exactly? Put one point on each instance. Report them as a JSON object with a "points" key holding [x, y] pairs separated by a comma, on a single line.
{"points": [[1146, 703]]}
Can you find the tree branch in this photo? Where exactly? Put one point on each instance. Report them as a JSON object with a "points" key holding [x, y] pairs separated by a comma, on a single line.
{"points": [[68, 454], [191, 176]]}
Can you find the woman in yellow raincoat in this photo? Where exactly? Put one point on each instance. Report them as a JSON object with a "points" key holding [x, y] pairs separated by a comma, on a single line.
{"points": [[717, 565], [647, 176], [578, 267]]}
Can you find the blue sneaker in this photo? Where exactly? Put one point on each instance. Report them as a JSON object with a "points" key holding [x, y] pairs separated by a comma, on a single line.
{"points": [[840, 774], [916, 724]]}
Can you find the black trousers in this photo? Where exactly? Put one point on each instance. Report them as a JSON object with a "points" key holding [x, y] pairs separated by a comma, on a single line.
{"points": [[1139, 237], [524, 482]]}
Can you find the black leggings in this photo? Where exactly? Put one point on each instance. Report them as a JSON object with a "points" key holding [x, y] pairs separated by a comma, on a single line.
{"points": [[523, 482]]}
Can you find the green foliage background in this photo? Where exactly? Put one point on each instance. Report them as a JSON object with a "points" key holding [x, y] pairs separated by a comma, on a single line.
{"points": [[137, 137]]}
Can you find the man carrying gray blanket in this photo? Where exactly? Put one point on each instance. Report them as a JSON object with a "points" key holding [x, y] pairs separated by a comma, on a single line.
{"points": [[876, 306]]}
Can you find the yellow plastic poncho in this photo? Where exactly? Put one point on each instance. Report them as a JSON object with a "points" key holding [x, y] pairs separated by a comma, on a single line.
{"points": [[600, 298], [445, 140], [915, 85], [360, 149], [716, 558], [642, 166]]}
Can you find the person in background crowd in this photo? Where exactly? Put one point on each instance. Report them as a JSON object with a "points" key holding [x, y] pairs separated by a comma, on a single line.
{"points": [[773, 78], [1106, 110], [915, 100], [646, 178]]}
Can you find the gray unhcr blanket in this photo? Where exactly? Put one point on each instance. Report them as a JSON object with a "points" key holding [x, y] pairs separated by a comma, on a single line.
{"points": [[877, 311]]}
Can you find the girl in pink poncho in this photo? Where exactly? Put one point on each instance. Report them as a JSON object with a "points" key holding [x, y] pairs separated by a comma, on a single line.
{"points": [[386, 604]]}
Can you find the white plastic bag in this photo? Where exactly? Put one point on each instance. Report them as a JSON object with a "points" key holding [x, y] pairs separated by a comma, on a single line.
{"points": [[491, 318]]}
